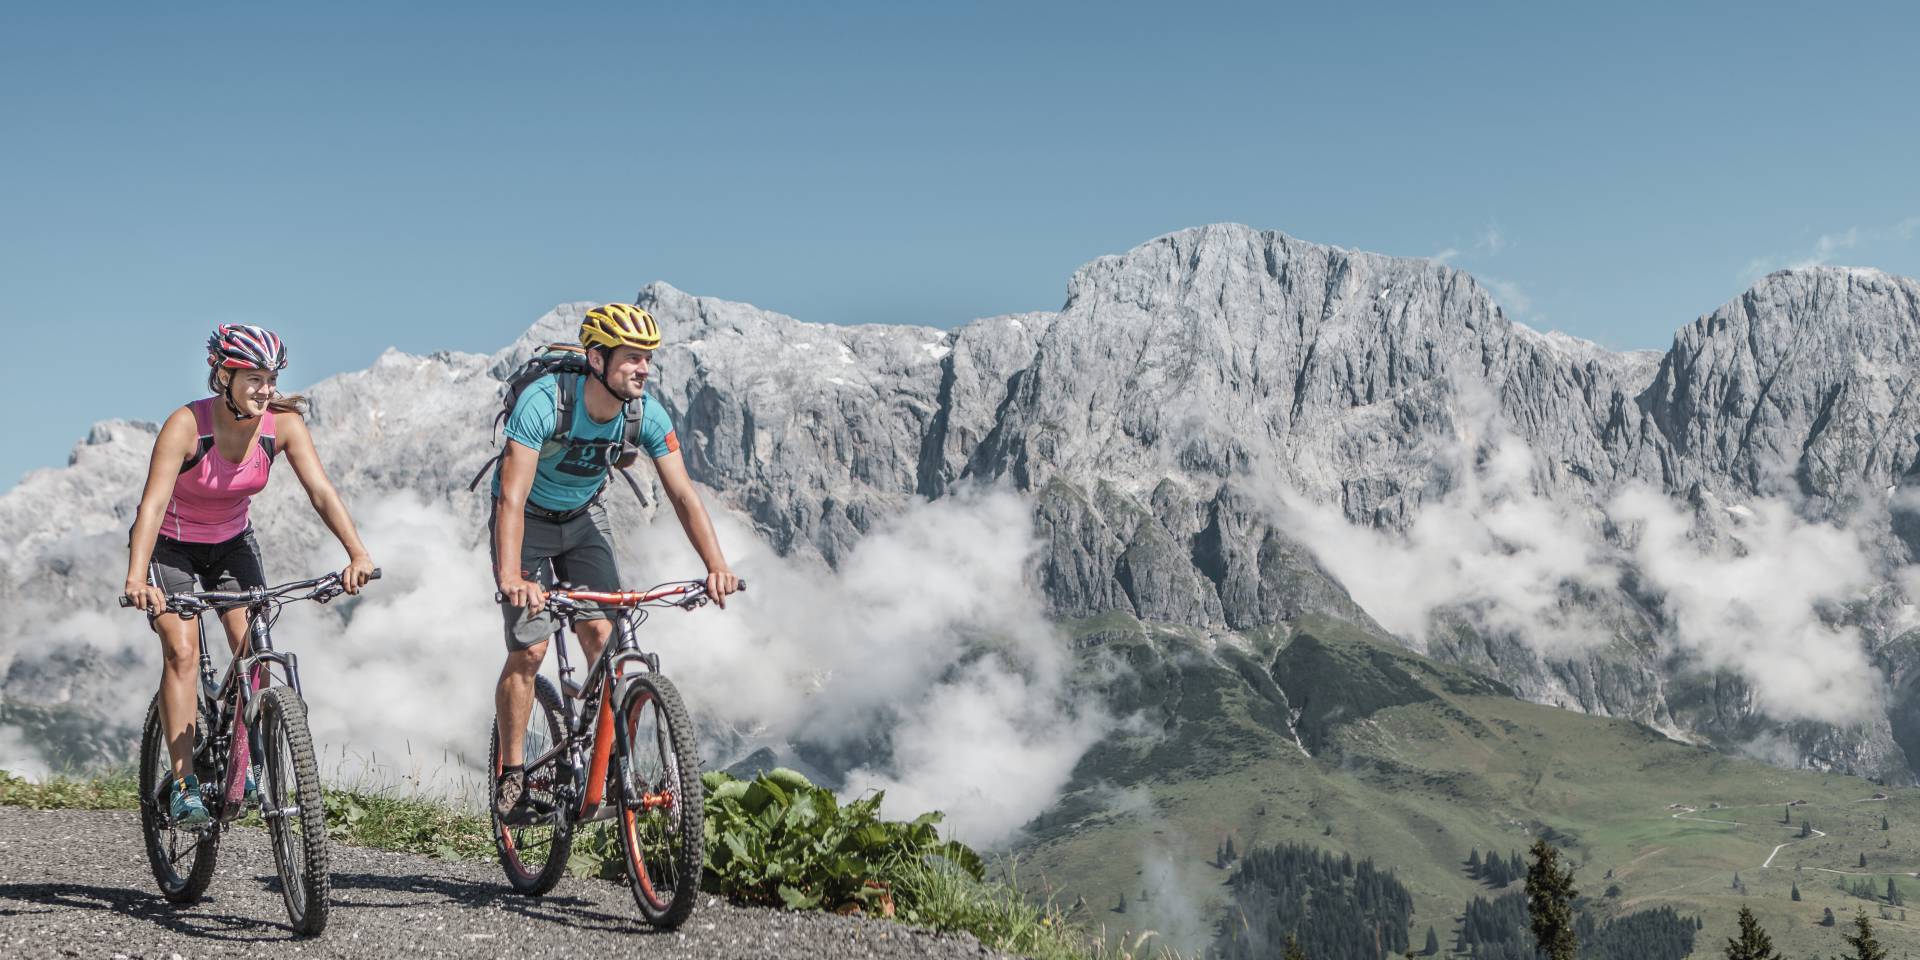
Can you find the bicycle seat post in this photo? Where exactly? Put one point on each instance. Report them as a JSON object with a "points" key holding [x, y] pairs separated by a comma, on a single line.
{"points": [[206, 659], [568, 684]]}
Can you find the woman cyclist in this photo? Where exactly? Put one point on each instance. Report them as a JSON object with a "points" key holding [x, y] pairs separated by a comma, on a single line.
{"points": [[210, 458]]}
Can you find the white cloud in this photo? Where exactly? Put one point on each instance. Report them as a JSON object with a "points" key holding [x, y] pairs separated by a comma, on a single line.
{"points": [[1491, 241], [1827, 246], [1491, 544], [1512, 299], [19, 757], [927, 632], [1745, 594], [1751, 602]]}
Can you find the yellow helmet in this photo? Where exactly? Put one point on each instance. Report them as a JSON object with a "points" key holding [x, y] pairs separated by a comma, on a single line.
{"points": [[619, 325]]}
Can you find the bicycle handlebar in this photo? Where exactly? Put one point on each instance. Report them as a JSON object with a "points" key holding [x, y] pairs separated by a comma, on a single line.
{"points": [[694, 593], [187, 604]]}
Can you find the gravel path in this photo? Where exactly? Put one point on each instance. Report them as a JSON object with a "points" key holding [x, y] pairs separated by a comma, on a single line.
{"points": [[75, 883]]}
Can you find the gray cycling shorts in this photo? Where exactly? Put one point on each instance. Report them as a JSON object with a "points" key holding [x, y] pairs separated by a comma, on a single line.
{"points": [[577, 551]]}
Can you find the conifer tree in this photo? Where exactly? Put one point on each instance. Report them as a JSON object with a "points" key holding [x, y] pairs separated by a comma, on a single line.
{"points": [[1293, 949], [1753, 942], [1550, 895], [1865, 946], [1433, 942], [1796, 893]]}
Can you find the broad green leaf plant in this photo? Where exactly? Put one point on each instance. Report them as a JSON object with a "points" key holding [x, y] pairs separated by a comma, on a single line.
{"points": [[778, 838]]}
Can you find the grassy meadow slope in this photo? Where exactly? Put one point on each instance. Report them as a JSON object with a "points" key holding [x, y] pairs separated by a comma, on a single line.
{"points": [[1415, 764]]}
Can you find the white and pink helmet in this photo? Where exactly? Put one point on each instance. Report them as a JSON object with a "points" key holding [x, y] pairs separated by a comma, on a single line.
{"points": [[241, 346]]}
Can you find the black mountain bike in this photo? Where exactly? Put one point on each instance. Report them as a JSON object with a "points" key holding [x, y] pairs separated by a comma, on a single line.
{"points": [[251, 701], [619, 746]]}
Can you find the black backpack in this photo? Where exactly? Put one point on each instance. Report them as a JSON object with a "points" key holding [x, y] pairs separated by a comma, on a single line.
{"points": [[568, 362]]}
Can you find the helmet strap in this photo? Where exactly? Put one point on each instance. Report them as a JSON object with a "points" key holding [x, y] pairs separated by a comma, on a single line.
{"points": [[606, 357], [233, 408]]}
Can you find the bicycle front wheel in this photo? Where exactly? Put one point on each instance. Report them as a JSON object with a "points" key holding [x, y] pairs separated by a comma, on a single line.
{"points": [[182, 859], [662, 803], [291, 804]]}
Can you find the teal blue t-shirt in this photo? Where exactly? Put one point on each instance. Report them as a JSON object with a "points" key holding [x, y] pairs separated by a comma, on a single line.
{"points": [[568, 477]]}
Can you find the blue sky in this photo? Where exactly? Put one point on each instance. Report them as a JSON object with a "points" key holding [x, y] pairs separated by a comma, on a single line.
{"points": [[436, 177]]}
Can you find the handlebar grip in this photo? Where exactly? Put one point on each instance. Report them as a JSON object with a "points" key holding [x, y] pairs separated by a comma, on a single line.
{"points": [[126, 601], [742, 588], [375, 575]]}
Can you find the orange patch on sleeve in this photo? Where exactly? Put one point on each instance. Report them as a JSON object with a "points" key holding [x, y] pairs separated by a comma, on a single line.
{"points": [[673, 441]]}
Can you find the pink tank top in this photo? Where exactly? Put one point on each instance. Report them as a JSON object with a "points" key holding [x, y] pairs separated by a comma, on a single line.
{"points": [[211, 497]]}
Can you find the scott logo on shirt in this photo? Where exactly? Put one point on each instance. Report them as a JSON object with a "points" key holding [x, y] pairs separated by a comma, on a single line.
{"points": [[588, 458]]}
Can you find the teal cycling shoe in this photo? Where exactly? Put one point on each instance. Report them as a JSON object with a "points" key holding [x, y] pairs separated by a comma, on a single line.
{"points": [[184, 804]]}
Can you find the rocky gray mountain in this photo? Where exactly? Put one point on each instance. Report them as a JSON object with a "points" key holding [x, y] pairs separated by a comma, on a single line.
{"points": [[1179, 423]]}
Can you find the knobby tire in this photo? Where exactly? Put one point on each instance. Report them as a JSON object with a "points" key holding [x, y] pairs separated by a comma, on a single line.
{"points": [[657, 755], [182, 860], [551, 837], [291, 778]]}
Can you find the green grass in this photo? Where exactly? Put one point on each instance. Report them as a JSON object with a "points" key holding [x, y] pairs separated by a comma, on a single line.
{"points": [[1005, 917], [119, 791], [362, 817], [1417, 779]]}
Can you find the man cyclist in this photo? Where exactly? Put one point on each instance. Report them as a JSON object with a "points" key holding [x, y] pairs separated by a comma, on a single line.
{"points": [[548, 522]]}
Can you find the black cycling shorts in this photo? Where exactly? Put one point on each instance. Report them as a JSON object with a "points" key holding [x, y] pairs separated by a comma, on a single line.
{"points": [[182, 567]]}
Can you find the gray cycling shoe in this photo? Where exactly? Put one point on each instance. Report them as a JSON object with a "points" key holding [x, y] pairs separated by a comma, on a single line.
{"points": [[510, 800]]}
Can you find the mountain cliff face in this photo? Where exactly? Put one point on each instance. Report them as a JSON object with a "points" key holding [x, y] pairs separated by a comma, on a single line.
{"points": [[1186, 425]]}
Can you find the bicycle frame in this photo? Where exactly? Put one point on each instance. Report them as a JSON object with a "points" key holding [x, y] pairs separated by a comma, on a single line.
{"points": [[588, 709], [235, 702], [590, 726]]}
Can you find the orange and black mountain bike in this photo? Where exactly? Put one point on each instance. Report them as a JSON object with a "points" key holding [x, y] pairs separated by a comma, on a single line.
{"points": [[619, 746]]}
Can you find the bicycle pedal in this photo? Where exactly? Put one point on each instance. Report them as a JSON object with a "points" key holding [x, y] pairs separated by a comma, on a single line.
{"points": [[524, 815]]}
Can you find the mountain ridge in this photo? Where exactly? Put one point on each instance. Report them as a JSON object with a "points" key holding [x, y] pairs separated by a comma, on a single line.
{"points": [[1191, 409]]}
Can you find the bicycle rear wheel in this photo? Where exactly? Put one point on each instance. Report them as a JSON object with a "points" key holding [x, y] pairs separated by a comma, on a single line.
{"points": [[534, 855], [662, 803], [291, 803], [182, 860]]}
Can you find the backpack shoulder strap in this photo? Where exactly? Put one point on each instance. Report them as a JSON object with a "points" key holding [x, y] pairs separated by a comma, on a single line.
{"points": [[636, 414], [566, 396], [633, 485]]}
